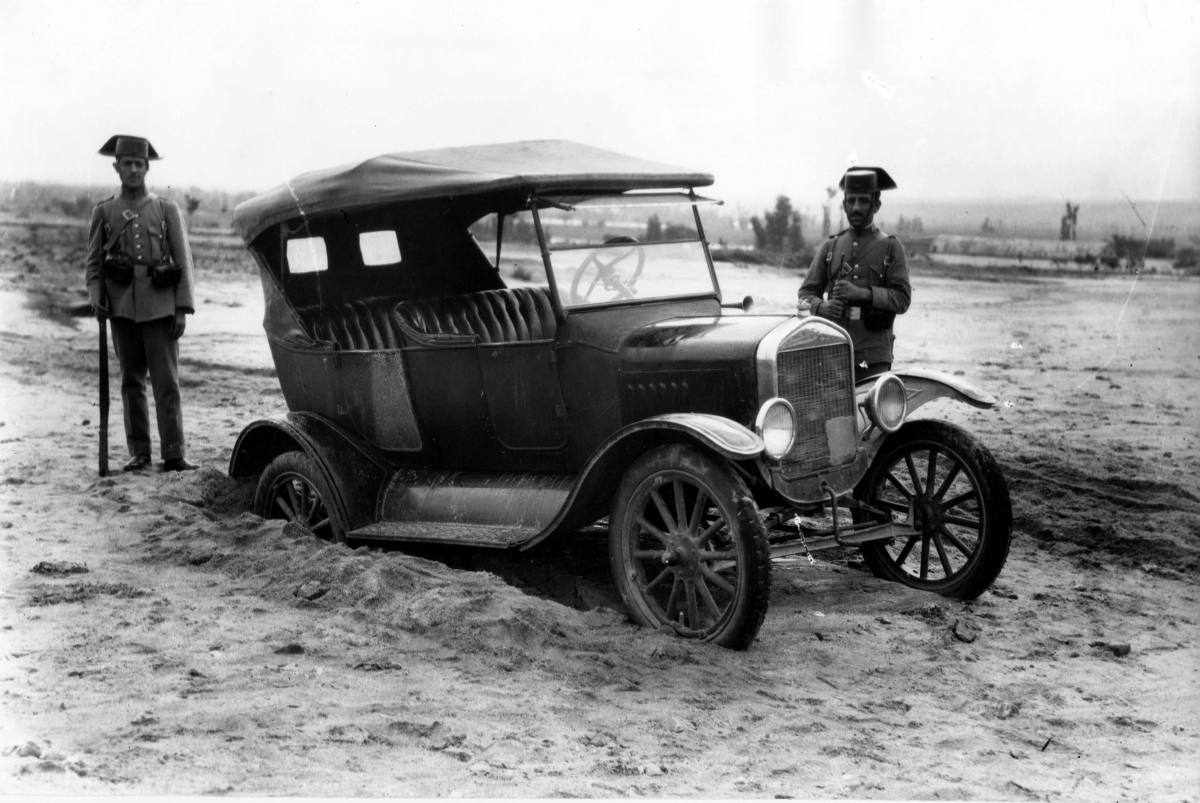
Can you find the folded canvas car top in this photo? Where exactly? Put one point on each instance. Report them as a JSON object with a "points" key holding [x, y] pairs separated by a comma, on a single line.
{"points": [[538, 165]]}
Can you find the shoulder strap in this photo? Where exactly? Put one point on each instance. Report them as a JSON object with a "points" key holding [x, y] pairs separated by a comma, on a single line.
{"points": [[888, 256], [166, 236], [129, 216]]}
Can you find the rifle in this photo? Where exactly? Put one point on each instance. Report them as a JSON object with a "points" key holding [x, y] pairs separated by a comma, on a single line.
{"points": [[103, 321]]}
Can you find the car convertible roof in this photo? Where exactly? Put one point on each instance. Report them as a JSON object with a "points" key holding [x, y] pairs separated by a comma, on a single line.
{"points": [[535, 166]]}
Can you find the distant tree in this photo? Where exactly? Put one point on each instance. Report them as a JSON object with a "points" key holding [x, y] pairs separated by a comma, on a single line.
{"points": [[675, 231], [519, 230], [827, 211], [1066, 229], [909, 225], [778, 230], [192, 204], [654, 229]]}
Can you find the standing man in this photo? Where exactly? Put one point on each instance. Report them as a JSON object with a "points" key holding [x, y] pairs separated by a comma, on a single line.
{"points": [[859, 276], [139, 275]]}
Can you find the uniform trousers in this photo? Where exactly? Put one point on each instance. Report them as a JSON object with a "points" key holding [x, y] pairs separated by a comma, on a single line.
{"points": [[148, 348]]}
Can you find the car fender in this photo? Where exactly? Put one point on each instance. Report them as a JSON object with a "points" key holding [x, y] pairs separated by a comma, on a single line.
{"points": [[352, 471], [922, 386], [593, 489], [725, 437]]}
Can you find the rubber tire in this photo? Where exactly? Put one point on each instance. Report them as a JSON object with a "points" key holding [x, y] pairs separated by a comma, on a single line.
{"points": [[743, 605], [308, 485], [983, 477]]}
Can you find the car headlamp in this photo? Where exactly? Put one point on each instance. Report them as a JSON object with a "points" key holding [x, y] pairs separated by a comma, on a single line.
{"points": [[776, 425], [887, 403]]}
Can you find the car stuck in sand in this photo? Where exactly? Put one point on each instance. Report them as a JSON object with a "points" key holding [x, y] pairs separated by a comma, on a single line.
{"points": [[481, 346]]}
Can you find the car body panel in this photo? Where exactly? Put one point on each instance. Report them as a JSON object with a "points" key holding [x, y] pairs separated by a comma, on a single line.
{"points": [[368, 389]]}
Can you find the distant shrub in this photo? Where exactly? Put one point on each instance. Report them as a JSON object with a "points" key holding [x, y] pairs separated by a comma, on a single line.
{"points": [[737, 255], [797, 259], [78, 207]]}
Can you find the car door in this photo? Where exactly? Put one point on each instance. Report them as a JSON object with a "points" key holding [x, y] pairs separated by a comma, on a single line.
{"points": [[525, 406]]}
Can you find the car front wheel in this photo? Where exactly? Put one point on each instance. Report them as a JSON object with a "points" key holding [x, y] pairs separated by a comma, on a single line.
{"points": [[941, 482], [687, 548], [292, 487]]}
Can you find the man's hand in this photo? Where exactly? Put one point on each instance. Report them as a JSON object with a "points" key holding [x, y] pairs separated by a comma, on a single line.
{"points": [[833, 308], [849, 292], [178, 325], [101, 311]]}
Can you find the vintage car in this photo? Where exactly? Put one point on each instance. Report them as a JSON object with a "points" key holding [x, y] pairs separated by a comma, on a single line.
{"points": [[497, 345]]}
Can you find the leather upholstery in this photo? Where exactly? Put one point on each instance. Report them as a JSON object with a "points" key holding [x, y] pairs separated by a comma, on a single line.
{"points": [[357, 325], [494, 316]]}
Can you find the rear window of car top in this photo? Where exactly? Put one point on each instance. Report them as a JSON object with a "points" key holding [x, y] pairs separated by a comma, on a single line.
{"points": [[307, 255], [379, 248]]}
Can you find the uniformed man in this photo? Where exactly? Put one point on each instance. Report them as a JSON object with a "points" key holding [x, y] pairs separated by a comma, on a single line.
{"points": [[139, 275], [859, 276]]}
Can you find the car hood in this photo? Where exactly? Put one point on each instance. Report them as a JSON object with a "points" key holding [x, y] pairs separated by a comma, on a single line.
{"points": [[709, 340]]}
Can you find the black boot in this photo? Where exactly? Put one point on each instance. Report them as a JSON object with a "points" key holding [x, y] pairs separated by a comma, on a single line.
{"points": [[178, 464]]}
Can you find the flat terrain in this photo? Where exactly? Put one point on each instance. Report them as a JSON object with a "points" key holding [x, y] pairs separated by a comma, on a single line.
{"points": [[155, 637]]}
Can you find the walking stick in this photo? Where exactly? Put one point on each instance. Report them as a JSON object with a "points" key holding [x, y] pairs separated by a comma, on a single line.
{"points": [[103, 321]]}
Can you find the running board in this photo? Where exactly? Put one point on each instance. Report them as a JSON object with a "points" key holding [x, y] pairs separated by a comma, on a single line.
{"points": [[475, 509], [495, 536]]}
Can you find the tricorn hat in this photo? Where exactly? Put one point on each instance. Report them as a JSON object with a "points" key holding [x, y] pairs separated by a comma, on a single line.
{"points": [[866, 179], [125, 145]]}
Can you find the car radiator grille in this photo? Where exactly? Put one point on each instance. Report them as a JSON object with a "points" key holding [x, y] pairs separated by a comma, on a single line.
{"points": [[818, 383]]}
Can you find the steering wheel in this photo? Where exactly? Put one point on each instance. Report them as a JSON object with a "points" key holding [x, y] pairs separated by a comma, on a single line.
{"points": [[602, 262]]}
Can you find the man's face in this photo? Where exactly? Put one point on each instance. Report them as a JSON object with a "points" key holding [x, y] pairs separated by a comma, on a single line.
{"points": [[132, 170], [860, 208]]}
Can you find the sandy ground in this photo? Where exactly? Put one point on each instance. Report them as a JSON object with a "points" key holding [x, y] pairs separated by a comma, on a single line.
{"points": [[155, 637]]}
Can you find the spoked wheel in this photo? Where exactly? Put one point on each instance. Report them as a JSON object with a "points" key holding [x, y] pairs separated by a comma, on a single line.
{"points": [[943, 483], [687, 548], [292, 487], [598, 272]]}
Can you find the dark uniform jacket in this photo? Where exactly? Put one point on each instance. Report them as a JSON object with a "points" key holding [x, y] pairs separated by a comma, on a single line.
{"points": [[156, 228], [872, 259]]}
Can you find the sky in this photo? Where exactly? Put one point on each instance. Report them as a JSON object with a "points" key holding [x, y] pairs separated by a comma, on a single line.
{"points": [[1048, 99]]}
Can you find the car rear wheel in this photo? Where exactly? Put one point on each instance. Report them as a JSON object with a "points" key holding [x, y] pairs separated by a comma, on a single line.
{"points": [[292, 487], [688, 549], [943, 483]]}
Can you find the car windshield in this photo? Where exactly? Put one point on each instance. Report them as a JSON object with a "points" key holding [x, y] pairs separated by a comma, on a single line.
{"points": [[605, 249]]}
